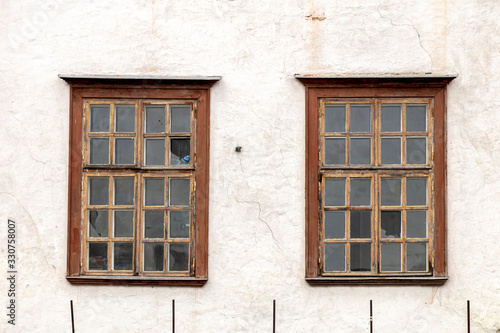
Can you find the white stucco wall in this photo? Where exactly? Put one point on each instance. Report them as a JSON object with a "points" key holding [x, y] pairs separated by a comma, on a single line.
{"points": [[256, 238]]}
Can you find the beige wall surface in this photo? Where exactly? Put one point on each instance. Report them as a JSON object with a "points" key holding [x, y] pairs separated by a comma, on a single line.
{"points": [[257, 219]]}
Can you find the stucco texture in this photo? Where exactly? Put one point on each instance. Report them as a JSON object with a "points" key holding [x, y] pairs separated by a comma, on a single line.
{"points": [[257, 197]]}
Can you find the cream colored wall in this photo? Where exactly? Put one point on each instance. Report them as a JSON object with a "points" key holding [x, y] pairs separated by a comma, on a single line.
{"points": [[257, 196]]}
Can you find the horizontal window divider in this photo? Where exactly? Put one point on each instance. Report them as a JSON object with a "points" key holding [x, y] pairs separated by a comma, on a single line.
{"points": [[144, 169], [381, 168]]}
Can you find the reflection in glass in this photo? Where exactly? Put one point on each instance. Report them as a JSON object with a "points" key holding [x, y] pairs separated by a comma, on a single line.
{"points": [[360, 257], [335, 151], [98, 190], [123, 253], [124, 190], [155, 119], [416, 257], [179, 151], [124, 223], [335, 257], [416, 118], [153, 256], [390, 224], [154, 224], [155, 191], [416, 152], [360, 119], [334, 224], [97, 256], [360, 151], [178, 257], [98, 223], [99, 118], [155, 151], [99, 151], [178, 224], [361, 224], [390, 191], [416, 191], [390, 118], [390, 257], [124, 151], [125, 118], [335, 192], [334, 118], [179, 191], [360, 191], [416, 224], [390, 150], [180, 119]]}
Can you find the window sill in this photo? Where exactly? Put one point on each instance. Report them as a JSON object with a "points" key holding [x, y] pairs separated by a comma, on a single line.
{"points": [[381, 281], [137, 281]]}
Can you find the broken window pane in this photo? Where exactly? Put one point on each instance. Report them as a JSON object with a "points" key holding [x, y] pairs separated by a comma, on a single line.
{"points": [[124, 223], [154, 224], [361, 119], [416, 118], [125, 118], [98, 223], [361, 224], [179, 191], [180, 119], [335, 151], [98, 190], [153, 256], [178, 258], [360, 257], [97, 256], [179, 151], [155, 119], [124, 151], [335, 192], [390, 260], [334, 224], [124, 190], [390, 150], [416, 150], [416, 191], [390, 118], [155, 151], [360, 151], [390, 224], [99, 151], [334, 118], [390, 191], [416, 224], [416, 257], [154, 189], [360, 191], [99, 118], [335, 257], [178, 224], [123, 256]]}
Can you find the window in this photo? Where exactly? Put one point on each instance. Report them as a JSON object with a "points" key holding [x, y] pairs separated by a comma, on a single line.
{"points": [[138, 183], [375, 179]]}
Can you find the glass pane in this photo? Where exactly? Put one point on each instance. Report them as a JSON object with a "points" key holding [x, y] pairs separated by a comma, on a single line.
{"points": [[180, 119], [361, 118], [124, 190], [360, 151], [178, 257], [416, 152], [124, 223], [98, 256], [178, 224], [335, 257], [334, 225], [99, 118], [179, 192], [335, 192], [179, 151], [123, 254], [98, 223], [390, 257], [360, 191], [416, 191], [416, 224], [124, 151], [155, 151], [416, 118], [390, 224], [153, 256], [98, 190], [154, 224], [390, 191], [125, 118], [155, 119], [390, 118], [361, 257], [391, 150], [361, 224], [99, 151], [416, 257], [335, 151], [334, 118], [155, 191]]}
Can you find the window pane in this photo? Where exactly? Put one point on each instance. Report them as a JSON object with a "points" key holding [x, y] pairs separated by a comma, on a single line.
{"points": [[99, 151], [360, 150], [390, 118], [155, 151], [391, 150], [178, 224], [361, 257], [125, 118], [98, 223], [335, 151], [334, 225], [154, 224], [124, 223], [416, 152], [155, 119], [390, 224], [124, 151], [335, 192], [98, 190], [179, 192], [124, 190], [416, 224], [155, 191], [335, 257], [390, 191], [179, 151], [180, 119], [360, 191], [99, 118], [123, 254], [416, 257], [390, 257], [153, 256], [361, 118], [361, 224], [98, 256], [178, 257], [416, 118], [416, 191], [334, 118]]}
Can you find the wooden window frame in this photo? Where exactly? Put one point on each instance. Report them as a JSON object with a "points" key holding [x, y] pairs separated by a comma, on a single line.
{"points": [[318, 88], [149, 88]]}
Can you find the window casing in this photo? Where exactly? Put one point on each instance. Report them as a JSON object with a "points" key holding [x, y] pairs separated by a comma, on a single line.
{"points": [[138, 186], [375, 180]]}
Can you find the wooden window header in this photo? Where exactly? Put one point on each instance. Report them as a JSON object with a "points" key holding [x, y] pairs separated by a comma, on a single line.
{"points": [[382, 80], [139, 80]]}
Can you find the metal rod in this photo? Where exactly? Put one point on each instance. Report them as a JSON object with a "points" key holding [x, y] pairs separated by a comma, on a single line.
{"points": [[468, 316], [274, 316], [72, 316], [173, 316], [371, 317]]}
